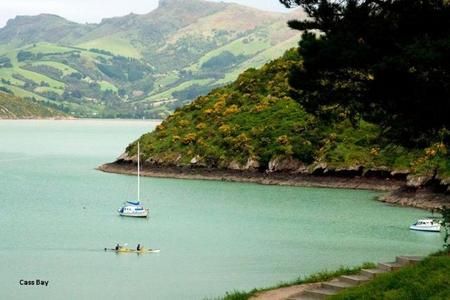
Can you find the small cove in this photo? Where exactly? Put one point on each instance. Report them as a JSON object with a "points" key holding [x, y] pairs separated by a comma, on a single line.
{"points": [[58, 213]]}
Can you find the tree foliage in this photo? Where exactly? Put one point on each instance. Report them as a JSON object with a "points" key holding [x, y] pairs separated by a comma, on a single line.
{"points": [[24, 55], [445, 211], [223, 60], [387, 61]]}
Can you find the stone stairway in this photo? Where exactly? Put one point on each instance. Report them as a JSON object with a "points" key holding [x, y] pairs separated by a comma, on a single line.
{"points": [[332, 287]]}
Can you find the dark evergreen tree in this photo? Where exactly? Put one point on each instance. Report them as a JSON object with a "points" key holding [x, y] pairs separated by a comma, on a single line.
{"points": [[387, 61]]}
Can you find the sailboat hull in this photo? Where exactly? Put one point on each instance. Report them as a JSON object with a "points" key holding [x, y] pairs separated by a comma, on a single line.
{"points": [[140, 214]]}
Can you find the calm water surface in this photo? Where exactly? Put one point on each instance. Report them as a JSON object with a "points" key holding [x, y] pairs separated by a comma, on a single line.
{"points": [[58, 213]]}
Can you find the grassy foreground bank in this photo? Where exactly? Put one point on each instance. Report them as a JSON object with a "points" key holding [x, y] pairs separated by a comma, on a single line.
{"points": [[429, 279], [316, 277]]}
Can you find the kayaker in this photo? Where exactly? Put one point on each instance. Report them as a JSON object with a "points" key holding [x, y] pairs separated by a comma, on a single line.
{"points": [[138, 248], [117, 247]]}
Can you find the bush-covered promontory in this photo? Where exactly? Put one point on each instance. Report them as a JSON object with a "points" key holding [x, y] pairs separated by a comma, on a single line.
{"points": [[253, 124]]}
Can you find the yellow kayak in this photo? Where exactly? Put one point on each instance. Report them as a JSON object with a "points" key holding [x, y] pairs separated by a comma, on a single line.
{"points": [[130, 250]]}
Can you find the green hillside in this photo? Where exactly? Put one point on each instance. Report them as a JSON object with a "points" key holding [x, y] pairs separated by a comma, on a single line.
{"points": [[12, 107], [253, 123], [138, 65]]}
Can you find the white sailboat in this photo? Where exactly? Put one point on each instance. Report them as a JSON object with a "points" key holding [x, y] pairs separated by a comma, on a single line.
{"points": [[132, 208]]}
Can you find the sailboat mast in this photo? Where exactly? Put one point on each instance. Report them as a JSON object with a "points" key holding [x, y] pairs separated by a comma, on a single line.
{"points": [[138, 173]]}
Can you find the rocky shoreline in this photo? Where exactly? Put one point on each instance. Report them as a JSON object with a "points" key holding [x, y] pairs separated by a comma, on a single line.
{"points": [[395, 189]]}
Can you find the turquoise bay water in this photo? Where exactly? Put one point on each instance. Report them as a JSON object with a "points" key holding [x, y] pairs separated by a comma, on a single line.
{"points": [[58, 213]]}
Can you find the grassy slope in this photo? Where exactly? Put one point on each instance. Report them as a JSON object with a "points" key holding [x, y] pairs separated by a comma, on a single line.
{"points": [[230, 17], [255, 118], [259, 59], [168, 93], [37, 77], [12, 107], [259, 45], [115, 44], [46, 48], [237, 47], [65, 69], [19, 92], [55, 85], [430, 279], [258, 50]]}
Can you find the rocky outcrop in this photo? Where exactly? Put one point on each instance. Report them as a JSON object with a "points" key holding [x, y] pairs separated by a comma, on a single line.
{"points": [[379, 172], [417, 181], [235, 165], [252, 164], [286, 164], [124, 158], [319, 168], [195, 160], [424, 198], [400, 174], [352, 171]]}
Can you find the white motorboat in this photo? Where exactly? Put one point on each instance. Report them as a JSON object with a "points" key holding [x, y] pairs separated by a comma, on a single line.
{"points": [[426, 225], [131, 208]]}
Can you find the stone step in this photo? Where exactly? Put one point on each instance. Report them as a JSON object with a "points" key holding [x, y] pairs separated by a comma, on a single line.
{"points": [[391, 266], [371, 273], [354, 279], [337, 285], [319, 293], [407, 260], [301, 297]]}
